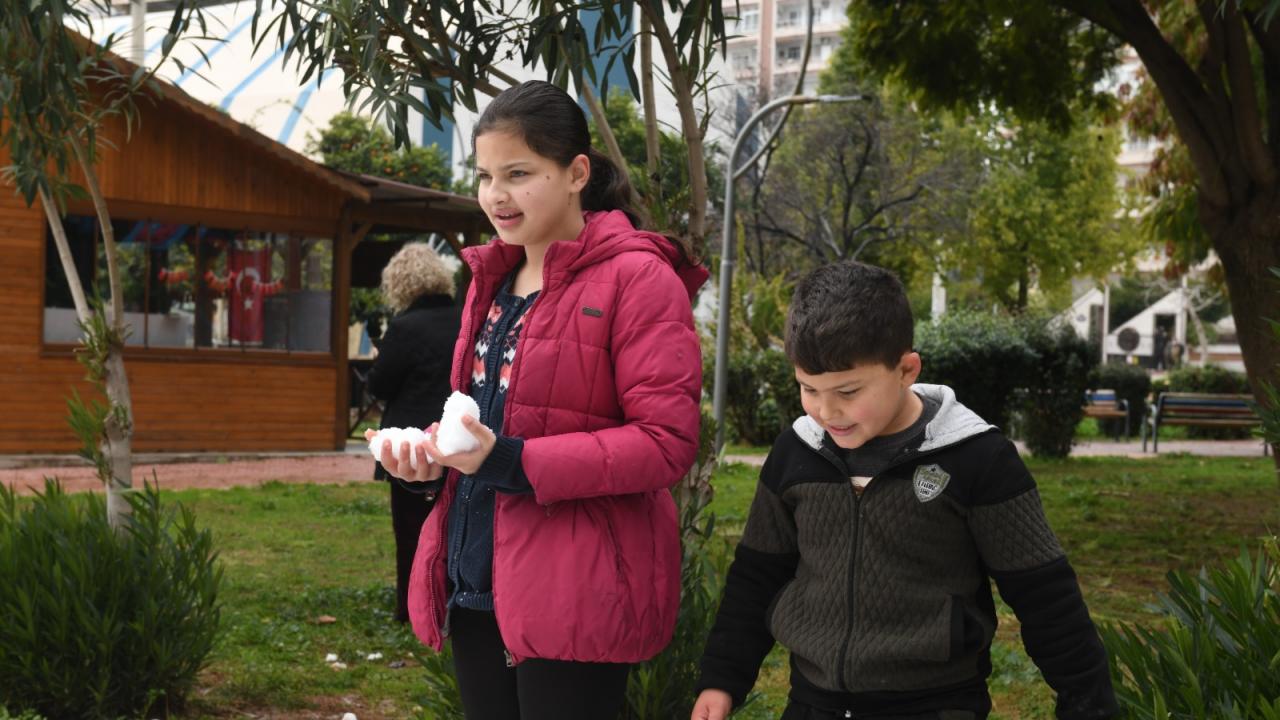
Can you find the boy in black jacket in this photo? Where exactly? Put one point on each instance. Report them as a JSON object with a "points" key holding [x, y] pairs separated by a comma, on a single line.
{"points": [[878, 522]]}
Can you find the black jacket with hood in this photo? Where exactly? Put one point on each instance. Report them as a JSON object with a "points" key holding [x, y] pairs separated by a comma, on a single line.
{"points": [[884, 599]]}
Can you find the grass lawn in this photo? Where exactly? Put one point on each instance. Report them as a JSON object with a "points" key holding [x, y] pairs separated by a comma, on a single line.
{"points": [[293, 554]]}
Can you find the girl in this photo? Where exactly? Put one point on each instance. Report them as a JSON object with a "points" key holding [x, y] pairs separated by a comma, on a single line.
{"points": [[552, 560]]}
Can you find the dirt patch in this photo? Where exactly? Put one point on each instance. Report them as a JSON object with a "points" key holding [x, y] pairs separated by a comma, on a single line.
{"points": [[335, 468]]}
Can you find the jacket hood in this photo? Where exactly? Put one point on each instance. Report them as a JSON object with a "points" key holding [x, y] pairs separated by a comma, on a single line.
{"points": [[953, 423], [605, 234]]}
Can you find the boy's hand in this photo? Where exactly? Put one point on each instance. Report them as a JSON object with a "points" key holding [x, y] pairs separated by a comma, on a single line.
{"points": [[712, 704], [396, 461], [466, 462]]}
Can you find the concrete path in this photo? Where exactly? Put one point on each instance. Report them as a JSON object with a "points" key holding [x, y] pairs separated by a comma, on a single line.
{"points": [[26, 473], [1131, 449]]}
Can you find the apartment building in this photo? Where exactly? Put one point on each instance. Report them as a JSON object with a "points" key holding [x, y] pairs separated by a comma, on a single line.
{"points": [[766, 42]]}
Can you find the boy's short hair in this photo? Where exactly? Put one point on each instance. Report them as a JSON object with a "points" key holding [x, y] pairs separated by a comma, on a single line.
{"points": [[846, 314]]}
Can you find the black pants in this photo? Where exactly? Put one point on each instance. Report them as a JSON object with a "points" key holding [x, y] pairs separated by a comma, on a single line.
{"points": [[408, 512], [800, 711], [534, 689]]}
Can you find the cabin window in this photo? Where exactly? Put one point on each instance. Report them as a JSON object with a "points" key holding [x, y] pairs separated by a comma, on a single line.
{"points": [[197, 286]]}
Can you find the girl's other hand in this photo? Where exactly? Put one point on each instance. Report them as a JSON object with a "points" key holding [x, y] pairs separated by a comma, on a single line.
{"points": [[396, 461], [712, 704], [470, 461]]}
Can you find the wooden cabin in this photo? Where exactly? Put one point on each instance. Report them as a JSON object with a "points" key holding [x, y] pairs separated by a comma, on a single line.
{"points": [[237, 257]]}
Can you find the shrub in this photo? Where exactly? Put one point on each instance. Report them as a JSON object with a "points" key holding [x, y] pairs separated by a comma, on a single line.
{"points": [[442, 696], [762, 397], [1131, 383], [1217, 652], [982, 357], [102, 623], [1211, 379], [1208, 379], [1055, 386]]}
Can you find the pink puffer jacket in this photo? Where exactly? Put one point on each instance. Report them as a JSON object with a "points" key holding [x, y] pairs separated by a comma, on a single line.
{"points": [[605, 391]]}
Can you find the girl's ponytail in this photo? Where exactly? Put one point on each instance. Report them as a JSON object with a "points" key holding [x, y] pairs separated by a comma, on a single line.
{"points": [[608, 188]]}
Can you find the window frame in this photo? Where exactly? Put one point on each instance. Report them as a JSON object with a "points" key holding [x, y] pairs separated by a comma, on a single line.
{"points": [[209, 217]]}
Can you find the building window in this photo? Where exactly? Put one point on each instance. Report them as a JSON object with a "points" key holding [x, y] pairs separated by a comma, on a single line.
{"points": [[195, 286], [826, 46], [744, 60], [790, 16], [748, 21], [788, 54]]}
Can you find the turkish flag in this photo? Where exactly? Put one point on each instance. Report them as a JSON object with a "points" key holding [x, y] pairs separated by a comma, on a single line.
{"points": [[252, 271]]}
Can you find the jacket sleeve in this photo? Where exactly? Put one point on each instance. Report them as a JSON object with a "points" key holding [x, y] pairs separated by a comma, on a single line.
{"points": [[392, 365], [657, 370], [764, 561], [1032, 573]]}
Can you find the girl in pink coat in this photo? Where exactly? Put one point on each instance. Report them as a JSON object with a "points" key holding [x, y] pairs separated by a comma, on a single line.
{"points": [[552, 559]]}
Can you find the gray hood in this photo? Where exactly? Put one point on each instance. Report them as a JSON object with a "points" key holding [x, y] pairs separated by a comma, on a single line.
{"points": [[953, 423]]}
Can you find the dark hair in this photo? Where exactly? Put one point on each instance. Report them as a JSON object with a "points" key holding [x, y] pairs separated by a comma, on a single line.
{"points": [[553, 126], [846, 314]]}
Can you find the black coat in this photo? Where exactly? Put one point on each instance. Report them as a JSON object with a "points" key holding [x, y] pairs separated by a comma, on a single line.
{"points": [[411, 372]]}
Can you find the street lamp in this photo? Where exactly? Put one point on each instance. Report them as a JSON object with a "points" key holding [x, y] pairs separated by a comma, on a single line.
{"points": [[727, 246]]}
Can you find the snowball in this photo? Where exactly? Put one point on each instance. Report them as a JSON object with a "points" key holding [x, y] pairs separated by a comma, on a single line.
{"points": [[452, 437], [398, 436]]}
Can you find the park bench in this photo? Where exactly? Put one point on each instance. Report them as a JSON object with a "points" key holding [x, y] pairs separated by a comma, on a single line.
{"points": [[1199, 409], [1104, 404]]}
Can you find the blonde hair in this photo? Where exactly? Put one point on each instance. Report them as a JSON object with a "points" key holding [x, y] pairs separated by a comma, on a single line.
{"points": [[414, 271]]}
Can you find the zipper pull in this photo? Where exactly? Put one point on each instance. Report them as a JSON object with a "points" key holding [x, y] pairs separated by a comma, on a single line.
{"points": [[511, 661]]}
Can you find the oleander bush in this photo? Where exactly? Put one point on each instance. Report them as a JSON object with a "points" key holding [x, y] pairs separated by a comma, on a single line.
{"points": [[1216, 652], [100, 623]]}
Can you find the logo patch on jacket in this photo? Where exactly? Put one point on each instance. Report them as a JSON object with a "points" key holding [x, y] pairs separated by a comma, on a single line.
{"points": [[929, 482]]}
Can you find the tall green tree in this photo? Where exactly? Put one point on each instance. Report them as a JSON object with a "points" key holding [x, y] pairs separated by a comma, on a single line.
{"points": [[356, 144], [57, 90], [1045, 212], [1215, 66], [875, 181]]}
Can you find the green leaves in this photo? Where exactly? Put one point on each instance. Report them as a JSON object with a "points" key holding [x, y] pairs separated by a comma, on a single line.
{"points": [[1217, 653], [978, 54], [100, 623], [356, 144], [448, 48]]}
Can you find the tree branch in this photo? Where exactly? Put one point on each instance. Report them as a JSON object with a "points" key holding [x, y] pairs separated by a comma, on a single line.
{"points": [[652, 149], [64, 254], [682, 89], [1184, 95], [1248, 123], [108, 232], [1267, 36]]}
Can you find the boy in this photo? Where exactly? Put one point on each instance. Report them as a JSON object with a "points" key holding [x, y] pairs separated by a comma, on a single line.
{"points": [[878, 521]]}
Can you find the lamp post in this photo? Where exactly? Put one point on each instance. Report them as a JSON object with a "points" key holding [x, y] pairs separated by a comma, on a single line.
{"points": [[727, 245]]}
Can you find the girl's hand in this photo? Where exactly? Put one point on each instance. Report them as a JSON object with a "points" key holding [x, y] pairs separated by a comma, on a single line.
{"points": [[712, 704], [466, 462], [396, 461]]}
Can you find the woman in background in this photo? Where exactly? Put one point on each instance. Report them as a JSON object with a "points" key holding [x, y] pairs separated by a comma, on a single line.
{"points": [[411, 376]]}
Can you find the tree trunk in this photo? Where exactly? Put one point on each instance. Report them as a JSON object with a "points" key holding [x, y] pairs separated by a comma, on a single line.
{"points": [[1202, 338], [682, 87], [1248, 245], [117, 445]]}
